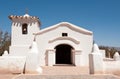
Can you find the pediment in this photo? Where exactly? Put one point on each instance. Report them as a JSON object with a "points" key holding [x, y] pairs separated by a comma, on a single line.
{"points": [[65, 24]]}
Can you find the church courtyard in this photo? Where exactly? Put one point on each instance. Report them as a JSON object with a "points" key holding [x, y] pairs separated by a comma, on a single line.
{"points": [[60, 72]]}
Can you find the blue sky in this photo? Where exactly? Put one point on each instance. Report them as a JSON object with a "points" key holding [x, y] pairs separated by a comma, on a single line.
{"points": [[100, 16]]}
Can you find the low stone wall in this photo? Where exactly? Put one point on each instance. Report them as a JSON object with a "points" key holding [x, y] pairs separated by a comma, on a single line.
{"points": [[12, 64], [111, 67]]}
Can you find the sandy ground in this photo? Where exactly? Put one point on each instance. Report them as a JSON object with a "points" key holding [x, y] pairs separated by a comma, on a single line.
{"points": [[12, 76], [55, 70], [7, 76]]}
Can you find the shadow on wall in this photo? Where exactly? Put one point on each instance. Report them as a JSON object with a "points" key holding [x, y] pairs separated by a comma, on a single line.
{"points": [[46, 58]]}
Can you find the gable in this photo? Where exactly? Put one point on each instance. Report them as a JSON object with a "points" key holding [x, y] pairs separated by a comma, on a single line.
{"points": [[65, 24]]}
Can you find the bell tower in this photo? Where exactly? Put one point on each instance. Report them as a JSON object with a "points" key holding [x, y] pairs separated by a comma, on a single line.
{"points": [[22, 30]]}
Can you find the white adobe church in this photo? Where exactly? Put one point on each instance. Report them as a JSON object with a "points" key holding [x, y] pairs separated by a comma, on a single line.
{"points": [[33, 48], [63, 43]]}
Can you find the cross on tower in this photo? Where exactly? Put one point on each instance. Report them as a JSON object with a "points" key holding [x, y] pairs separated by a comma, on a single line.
{"points": [[26, 10]]}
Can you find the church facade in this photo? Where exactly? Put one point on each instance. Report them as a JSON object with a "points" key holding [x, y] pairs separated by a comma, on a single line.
{"points": [[62, 43]]}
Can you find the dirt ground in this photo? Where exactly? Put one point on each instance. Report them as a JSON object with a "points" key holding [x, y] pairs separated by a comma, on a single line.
{"points": [[7, 76], [55, 70], [11, 76]]}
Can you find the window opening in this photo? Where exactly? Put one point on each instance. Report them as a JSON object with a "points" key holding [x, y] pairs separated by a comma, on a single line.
{"points": [[24, 28], [64, 34]]}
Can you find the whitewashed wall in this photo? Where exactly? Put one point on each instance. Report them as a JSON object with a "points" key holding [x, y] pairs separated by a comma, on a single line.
{"points": [[84, 45]]}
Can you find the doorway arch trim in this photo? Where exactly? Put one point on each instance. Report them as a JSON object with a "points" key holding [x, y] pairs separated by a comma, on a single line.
{"points": [[65, 38]]}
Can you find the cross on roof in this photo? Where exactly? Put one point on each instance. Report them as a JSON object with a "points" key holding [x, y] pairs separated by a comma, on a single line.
{"points": [[26, 10]]}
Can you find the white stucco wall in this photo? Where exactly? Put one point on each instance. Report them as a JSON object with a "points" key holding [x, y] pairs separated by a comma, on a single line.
{"points": [[79, 39], [84, 46], [111, 67], [20, 43], [12, 64], [103, 53]]}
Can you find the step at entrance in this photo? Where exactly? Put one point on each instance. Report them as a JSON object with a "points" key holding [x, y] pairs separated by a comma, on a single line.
{"points": [[63, 65], [64, 70]]}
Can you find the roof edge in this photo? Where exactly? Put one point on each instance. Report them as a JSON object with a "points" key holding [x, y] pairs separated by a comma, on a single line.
{"points": [[69, 25]]}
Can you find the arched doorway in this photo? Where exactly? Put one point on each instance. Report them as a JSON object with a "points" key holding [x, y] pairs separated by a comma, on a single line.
{"points": [[63, 54]]}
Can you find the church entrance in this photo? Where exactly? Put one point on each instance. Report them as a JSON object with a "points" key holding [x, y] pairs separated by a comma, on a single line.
{"points": [[63, 54]]}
